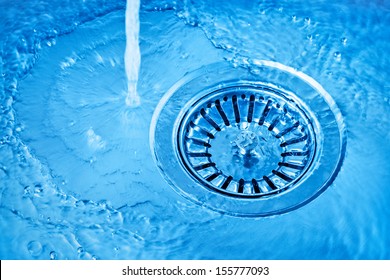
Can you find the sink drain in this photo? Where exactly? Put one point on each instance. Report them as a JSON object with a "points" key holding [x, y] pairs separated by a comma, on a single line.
{"points": [[248, 143]]}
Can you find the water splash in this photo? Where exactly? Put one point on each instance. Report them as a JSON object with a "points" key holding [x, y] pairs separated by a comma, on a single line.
{"points": [[132, 53]]}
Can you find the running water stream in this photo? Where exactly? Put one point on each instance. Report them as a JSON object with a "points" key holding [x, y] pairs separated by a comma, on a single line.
{"points": [[132, 53]]}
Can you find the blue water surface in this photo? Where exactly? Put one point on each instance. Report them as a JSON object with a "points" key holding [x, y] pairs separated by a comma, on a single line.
{"points": [[77, 178]]}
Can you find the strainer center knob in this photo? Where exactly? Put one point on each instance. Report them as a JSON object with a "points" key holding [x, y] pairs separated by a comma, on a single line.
{"points": [[247, 141]]}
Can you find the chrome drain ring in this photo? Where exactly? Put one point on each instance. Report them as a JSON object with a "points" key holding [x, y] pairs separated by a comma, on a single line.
{"points": [[248, 142]]}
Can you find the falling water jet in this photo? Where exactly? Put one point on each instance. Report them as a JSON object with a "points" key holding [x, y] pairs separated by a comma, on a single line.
{"points": [[132, 53]]}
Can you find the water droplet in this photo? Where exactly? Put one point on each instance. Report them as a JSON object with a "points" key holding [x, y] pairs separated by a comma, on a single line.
{"points": [[27, 190], [344, 41], [184, 55], [38, 190], [137, 172], [80, 250], [294, 18], [53, 255], [307, 20], [337, 56], [34, 248], [310, 37], [329, 73]]}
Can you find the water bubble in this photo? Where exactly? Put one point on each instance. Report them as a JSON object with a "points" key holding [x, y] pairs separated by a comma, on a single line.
{"points": [[184, 55], [27, 190], [277, 181], [137, 172], [53, 255], [80, 250], [34, 248], [22, 158], [329, 73], [337, 56], [344, 41], [13, 84], [38, 189]]}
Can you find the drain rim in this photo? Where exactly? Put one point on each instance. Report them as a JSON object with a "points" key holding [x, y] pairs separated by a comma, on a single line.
{"points": [[327, 162]]}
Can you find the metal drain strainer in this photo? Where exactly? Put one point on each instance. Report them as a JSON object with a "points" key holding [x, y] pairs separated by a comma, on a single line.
{"points": [[248, 143]]}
